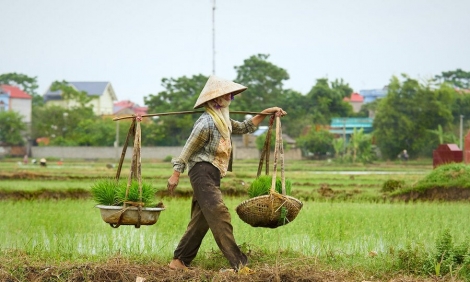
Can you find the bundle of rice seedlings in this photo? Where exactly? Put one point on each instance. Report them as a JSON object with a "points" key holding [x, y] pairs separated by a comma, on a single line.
{"points": [[148, 193], [261, 186], [279, 186], [104, 192], [110, 193]]}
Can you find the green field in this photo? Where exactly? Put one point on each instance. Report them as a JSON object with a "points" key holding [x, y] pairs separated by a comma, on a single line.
{"points": [[362, 230]]}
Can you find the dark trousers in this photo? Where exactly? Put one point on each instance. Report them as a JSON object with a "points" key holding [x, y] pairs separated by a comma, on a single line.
{"points": [[208, 211]]}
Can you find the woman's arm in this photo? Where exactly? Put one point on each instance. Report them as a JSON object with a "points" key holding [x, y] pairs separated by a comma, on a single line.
{"points": [[269, 111]]}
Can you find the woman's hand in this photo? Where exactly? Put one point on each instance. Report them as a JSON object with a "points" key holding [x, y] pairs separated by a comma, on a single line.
{"points": [[173, 182], [269, 111], [275, 110]]}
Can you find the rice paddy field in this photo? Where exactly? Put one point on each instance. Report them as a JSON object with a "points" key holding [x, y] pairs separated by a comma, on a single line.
{"points": [[347, 230]]}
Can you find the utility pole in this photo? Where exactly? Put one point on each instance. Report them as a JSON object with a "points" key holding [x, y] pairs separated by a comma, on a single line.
{"points": [[461, 129], [213, 37], [116, 143], [344, 136]]}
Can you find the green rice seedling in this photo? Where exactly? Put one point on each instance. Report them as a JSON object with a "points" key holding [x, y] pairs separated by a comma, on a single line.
{"points": [[279, 186], [148, 193], [283, 217], [104, 192], [261, 186]]}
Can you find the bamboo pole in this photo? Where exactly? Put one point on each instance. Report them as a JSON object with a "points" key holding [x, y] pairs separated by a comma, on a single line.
{"points": [[185, 113], [124, 149]]}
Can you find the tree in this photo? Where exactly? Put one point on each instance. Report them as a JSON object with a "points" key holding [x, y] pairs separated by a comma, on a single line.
{"points": [[367, 109], [443, 137], [457, 78], [95, 131], [180, 94], [325, 102], [360, 146], [338, 146], [58, 122], [264, 81], [319, 142], [298, 116], [344, 89], [25, 83], [69, 93], [406, 114], [11, 128]]}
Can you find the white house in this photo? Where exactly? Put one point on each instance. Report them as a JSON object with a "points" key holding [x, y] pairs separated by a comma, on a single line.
{"points": [[13, 98], [102, 93]]}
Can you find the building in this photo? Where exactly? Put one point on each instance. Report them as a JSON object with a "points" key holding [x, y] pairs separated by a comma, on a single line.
{"points": [[345, 126], [102, 93], [372, 94], [356, 100], [13, 98], [128, 107]]}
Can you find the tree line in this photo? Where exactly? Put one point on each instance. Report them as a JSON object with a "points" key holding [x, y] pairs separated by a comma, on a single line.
{"points": [[415, 115]]}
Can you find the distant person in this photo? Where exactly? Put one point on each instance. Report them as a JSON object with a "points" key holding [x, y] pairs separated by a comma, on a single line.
{"points": [[43, 162], [404, 155], [25, 159]]}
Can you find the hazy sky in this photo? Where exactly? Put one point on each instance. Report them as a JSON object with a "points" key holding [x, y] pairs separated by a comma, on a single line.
{"points": [[134, 44]]}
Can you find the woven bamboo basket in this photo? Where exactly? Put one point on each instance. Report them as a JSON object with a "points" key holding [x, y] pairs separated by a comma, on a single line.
{"points": [[275, 209], [266, 210]]}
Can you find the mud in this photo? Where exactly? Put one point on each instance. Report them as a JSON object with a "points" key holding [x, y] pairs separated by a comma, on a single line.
{"points": [[124, 270]]}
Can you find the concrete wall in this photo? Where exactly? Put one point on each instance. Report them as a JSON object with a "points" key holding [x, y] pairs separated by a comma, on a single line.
{"points": [[158, 153]]}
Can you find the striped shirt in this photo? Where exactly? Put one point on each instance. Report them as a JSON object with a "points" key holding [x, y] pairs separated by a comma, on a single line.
{"points": [[205, 144]]}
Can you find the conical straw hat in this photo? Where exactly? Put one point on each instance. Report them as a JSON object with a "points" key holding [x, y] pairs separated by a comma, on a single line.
{"points": [[216, 87]]}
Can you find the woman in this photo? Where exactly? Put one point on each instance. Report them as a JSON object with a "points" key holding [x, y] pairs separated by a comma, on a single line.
{"points": [[206, 155]]}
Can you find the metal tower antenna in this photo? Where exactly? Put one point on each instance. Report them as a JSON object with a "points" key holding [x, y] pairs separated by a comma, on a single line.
{"points": [[213, 37]]}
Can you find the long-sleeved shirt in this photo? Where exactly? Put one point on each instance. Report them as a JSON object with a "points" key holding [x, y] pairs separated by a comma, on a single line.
{"points": [[206, 144]]}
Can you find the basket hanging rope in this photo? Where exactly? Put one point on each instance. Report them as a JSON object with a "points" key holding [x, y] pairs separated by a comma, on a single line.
{"points": [[272, 210]]}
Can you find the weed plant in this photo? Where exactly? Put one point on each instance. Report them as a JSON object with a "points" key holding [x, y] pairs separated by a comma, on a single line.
{"points": [[447, 258]]}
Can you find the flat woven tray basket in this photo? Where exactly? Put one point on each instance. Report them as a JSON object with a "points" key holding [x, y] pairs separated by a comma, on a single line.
{"points": [[272, 210]]}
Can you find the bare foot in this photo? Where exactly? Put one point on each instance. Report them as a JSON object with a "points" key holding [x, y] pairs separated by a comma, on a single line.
{"points": [[177, 264]]}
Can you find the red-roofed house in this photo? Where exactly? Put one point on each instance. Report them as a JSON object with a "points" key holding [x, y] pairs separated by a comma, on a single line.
{"points": [[128, 107], [356, 100], [13, 98]]}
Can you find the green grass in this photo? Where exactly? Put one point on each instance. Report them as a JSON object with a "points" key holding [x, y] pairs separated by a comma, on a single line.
{"points": [[73, 229], [340, 229], [448, 175]]}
